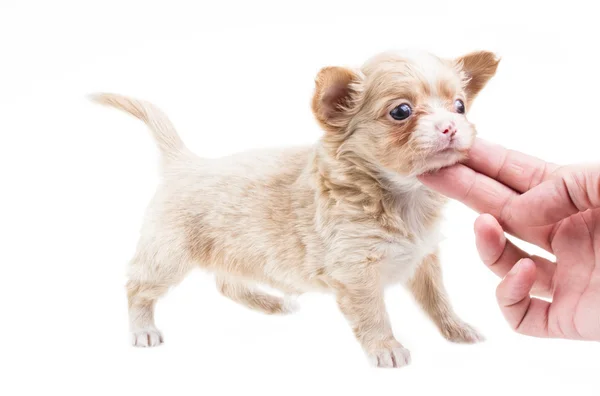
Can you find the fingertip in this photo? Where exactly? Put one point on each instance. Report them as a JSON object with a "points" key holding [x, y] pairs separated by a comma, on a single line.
{"points": [[425, 178], [522, 275], [453, 181], [517, 284], [525, 268], [430, 177], [489, 238], [485, 223]]}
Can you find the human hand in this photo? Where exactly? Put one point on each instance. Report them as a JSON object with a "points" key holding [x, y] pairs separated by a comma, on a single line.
{"points": [[555, 208]]}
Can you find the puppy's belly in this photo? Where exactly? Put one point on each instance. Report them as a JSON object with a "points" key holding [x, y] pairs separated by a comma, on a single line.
{"points": [[402, 259]]}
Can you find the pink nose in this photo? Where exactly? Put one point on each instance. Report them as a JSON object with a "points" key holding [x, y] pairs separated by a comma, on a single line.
{"points": [[447, 128]]}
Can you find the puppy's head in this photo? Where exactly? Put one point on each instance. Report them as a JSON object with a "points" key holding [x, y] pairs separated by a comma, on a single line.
{"points": [[405, 112]]}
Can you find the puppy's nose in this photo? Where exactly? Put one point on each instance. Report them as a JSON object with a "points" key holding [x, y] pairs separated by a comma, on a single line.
{"points": [[447, 128]]}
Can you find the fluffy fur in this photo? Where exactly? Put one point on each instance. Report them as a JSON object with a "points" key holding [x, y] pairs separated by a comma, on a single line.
{"points": [[346, 215]]}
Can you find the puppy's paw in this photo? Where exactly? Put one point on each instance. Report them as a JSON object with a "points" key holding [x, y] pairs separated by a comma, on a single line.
{"points": [[390, 357], [146, 337], [455, 330]]}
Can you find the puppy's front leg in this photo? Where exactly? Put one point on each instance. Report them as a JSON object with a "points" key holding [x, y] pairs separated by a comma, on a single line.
{"points": [[429, 291], [364, 307]]}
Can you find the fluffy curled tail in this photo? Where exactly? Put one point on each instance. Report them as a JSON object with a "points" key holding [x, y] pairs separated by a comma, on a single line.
{"points": [[168, 141]]}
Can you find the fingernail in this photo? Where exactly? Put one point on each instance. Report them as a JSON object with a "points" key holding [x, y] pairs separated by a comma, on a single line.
{"points": [[515, 269]]}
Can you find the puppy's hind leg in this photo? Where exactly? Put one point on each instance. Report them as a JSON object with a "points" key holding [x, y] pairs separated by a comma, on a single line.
{"points": [[250, 297], [142, 297], [151, 275]]}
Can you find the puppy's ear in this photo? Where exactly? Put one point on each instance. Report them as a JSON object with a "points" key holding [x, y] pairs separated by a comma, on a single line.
{"points": [[335, 97], [477, 68]]}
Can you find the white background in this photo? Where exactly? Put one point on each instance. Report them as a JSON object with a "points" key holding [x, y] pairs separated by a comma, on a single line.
{"points": [[75, 179]]}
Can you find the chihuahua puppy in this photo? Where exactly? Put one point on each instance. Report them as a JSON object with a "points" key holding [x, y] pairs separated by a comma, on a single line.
{"points": [[346, 215]]}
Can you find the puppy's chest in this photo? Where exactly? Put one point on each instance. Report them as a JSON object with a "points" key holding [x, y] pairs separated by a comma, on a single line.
{"points": [[401, 256]]}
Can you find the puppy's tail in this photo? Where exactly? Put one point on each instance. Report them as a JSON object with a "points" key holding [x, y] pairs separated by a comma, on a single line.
{"points": [[168, 141]]}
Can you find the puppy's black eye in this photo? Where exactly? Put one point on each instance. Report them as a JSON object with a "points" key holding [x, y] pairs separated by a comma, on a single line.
{"points": [[401, 112], [459, 106]]}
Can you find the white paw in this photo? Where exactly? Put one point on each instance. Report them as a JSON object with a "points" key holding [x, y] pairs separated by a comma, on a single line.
{"points": [[390, 357], [146, 338], [458, 331]]}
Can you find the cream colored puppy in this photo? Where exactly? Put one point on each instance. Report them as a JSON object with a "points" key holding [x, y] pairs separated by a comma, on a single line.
{"points": [[346, 215]]}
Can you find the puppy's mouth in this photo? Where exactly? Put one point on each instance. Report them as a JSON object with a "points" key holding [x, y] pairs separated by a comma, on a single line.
{"points": [[451, 155], [445, 157], [450, 147], [447, 150]]}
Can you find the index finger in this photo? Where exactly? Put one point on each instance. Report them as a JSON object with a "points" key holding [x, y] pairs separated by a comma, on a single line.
{"points": [[485, 195], [514, 169], [576, 190]]}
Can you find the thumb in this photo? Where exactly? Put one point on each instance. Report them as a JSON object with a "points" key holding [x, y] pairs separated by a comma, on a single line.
{"points": [[524, 314], [574, 190]]}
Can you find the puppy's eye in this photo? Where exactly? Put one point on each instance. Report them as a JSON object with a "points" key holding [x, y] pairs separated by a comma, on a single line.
{"points": [[401, 112], [459, 106]]}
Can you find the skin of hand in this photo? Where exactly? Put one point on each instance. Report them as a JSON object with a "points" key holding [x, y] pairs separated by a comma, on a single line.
{"points": [[555, 208]]}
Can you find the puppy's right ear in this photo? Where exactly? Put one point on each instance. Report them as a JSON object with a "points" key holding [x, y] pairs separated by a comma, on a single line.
{"points": [[335, 97]]}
